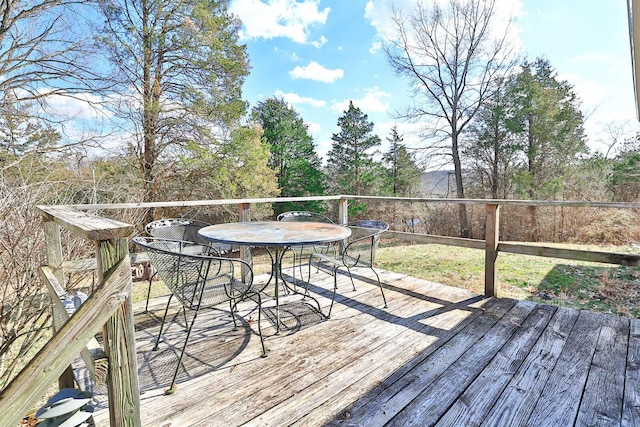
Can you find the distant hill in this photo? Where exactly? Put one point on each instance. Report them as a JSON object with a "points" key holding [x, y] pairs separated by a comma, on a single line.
{"points": [[438, 184]]}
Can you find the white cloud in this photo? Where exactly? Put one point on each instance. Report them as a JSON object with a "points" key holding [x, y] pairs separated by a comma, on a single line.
{"points": [[596, 57], [315, 71], [80, 106], [590, 92], [319, 43], [279, 18], [313, 127], [371, 102], [295, 99], [291, 56]]}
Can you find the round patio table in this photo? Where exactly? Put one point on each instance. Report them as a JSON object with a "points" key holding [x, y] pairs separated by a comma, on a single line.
{"points": [[279, 236]]}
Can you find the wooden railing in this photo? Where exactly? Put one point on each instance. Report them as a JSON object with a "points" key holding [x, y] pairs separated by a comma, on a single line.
{"points": [[491, 244], [109, 307], [108, 310]]}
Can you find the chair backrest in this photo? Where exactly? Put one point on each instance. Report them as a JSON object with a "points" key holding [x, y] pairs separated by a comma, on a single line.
{"points": [[363, 242], [194, 276], [176, 229], [303, 216], [183, 229]]}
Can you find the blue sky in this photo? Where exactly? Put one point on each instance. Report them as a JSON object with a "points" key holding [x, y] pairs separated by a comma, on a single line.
{"points": [[319, 54]]}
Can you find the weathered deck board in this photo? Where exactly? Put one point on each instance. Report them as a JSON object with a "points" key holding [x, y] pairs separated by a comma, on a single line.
{"points": [[436, 356], [515, 404], [473, 405], [427, 407], [560, 399], [631, 405], [602, 399], [325, 350], [393, 399]]}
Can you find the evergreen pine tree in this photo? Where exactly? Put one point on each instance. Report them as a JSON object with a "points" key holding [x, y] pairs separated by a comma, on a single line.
{"points": [[404, 173], [293, 154], [350, 163]]}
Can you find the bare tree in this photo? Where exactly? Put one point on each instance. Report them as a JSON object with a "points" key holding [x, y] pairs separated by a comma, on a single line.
{"points": [[44, 49], [451, 56], [46, 56], [24, 307]]}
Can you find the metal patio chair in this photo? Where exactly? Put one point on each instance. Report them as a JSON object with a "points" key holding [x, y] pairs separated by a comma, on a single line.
{"points": [[359, 251], [183, 229], [303, 252], [197, 279]]}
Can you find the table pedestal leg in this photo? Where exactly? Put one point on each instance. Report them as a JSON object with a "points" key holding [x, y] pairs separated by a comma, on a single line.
{"points": [[276, 270]]}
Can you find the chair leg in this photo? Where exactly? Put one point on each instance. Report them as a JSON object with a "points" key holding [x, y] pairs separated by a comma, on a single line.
{"points": [[259, 302], [306, 287], [300, 268], [184, 315], [335, 288], [380, 286], [173, 387], [296, 261], [166, 310], [264, 350], [233, 307], [350, 277], [146, 306]]}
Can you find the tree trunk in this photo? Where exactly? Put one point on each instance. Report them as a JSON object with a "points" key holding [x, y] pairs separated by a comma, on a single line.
{"points": [[465, 230], [495, 167], [151, 107]]}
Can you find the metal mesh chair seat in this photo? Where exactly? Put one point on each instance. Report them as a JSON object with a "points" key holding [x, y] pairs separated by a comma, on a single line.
{"points": [[359, 251], [199, 279], [303, 252]]}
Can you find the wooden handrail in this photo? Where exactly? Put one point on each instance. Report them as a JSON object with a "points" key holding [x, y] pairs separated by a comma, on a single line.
{"points": [[91, 227]]}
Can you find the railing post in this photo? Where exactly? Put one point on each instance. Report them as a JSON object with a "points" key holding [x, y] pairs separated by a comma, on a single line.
{"points": [[343, 211], [492, 237], [53, 251], [343, 217], [245, 251], [120, 342]]}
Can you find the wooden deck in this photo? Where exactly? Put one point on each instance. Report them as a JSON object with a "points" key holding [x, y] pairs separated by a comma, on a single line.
{"points": [[436, 356]]}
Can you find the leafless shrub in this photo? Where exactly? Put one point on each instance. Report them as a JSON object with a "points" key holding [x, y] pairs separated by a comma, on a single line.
{"points": [[24, 304]]}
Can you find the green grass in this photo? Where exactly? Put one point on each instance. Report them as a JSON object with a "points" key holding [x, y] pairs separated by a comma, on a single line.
{"points": [[593, 286]]}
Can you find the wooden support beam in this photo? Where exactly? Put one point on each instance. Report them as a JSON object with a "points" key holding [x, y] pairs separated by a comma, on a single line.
{"points": [[33, 381], [120, 343], [93, 354], [53, 252], [86, 225], [492, 238], [244, 213], [572, 254], [438, 240], [343, 211], [343, 218]]}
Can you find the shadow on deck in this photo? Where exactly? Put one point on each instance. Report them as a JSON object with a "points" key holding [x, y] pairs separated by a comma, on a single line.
{"points": [[436, 356]]}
